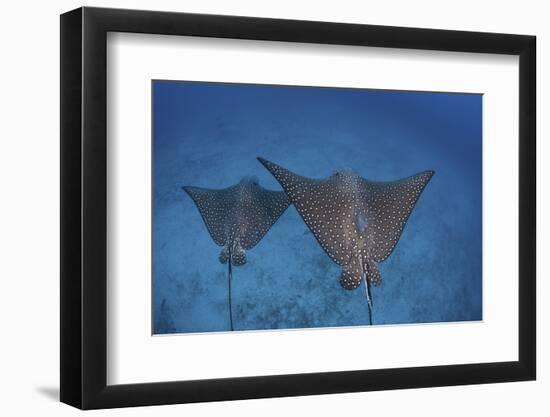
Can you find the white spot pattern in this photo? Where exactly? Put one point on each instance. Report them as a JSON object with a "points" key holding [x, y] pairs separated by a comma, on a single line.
{"points": [[357, 222], [238, 217]]}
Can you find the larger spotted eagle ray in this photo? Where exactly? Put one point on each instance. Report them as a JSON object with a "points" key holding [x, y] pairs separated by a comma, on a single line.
{"points": [[237, 218], [356, 221]]}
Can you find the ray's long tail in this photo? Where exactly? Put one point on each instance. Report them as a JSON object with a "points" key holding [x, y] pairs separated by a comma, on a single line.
{"points": [[369, 299], [367, 291], [229, 279]]}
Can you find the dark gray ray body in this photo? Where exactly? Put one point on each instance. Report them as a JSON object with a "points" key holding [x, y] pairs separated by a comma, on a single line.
{"points": [[238, 217], [357, 222]]}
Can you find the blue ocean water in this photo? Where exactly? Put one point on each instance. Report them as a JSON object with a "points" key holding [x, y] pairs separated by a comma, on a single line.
{"points": [[209, 135]]}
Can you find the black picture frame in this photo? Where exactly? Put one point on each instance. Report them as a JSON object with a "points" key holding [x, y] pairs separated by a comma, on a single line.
{"points": [[84, 207]]}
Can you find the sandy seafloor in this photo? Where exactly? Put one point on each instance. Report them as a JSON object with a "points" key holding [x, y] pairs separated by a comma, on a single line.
{"points": [[209, 135]]}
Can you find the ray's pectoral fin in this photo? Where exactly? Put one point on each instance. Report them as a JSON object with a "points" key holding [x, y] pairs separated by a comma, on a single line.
{"points": [[350, 278], [373, 273]]}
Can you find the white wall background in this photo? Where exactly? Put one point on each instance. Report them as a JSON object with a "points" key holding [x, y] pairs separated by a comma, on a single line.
{"points": [[29, 225]]}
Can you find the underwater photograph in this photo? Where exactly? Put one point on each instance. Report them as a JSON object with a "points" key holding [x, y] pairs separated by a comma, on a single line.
{"points": [[295, 207]]}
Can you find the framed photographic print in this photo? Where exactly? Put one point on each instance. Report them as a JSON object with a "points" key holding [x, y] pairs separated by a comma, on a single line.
{"points": [[257, 207]]}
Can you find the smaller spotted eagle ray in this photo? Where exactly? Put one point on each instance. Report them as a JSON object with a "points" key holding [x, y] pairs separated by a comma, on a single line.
{"points": [[357, 222], [237, 218]]}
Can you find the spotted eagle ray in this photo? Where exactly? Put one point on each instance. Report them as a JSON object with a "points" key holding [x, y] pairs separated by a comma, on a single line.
{"points": [[237, 218], [356, 221]]}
